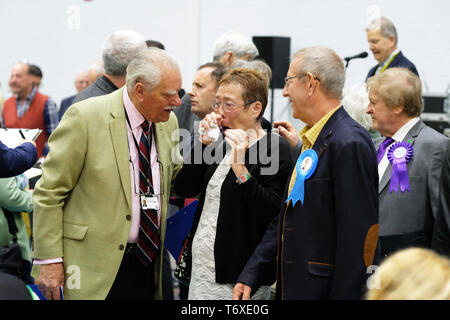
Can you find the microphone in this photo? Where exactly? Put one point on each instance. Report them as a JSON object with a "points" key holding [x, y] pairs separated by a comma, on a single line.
{"points": [[357, 56]]}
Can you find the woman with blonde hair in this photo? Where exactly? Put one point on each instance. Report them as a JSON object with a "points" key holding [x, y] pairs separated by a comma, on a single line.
{"points": [[412, 274]]}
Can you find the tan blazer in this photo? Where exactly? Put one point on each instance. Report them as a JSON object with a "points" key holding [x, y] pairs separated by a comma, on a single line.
{"points": [[82, 203]]}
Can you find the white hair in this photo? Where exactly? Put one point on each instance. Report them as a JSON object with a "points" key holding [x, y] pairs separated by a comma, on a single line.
{"points": [[97, 66], [386, 26], [355, 102], [119, 49], [235, 42], [258, 65], [146, 68]]}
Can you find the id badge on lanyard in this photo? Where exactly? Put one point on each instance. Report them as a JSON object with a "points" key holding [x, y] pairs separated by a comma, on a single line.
{"points": [[149, 202]]}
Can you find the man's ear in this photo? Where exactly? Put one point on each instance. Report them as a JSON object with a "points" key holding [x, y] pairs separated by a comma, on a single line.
{"points": [[228, 58], [398, 109], [392, 40], [139, 91], [313, 83]]}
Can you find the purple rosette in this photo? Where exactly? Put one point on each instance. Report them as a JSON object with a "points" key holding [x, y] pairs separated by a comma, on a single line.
{"points": [[399, 155]]}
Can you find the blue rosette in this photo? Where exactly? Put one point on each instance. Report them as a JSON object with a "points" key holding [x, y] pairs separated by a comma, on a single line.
{"points": [[306, 166], [399, 155]]}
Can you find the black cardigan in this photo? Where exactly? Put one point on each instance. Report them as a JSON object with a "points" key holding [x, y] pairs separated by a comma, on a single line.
{"points": [[245, 209]]}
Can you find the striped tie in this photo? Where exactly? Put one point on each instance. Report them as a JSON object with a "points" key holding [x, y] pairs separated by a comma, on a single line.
{"points": [[148, 239]]}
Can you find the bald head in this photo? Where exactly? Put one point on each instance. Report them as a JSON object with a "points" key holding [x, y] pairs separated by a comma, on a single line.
{"points": [[81, 81]]}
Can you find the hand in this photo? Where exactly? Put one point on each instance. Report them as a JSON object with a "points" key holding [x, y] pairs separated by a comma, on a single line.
{"points": [[50, 279], [239, 141], [241, 292], [287, 131], [34, 143], [210, 121]]}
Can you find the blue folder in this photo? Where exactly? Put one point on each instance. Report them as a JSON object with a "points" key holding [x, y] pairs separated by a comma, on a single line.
{"points": [[36, 294], [178, 227]]}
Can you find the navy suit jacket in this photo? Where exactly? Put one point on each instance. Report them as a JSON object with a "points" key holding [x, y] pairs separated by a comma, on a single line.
{"points": [[323, 248], [17, 160], [100, 87], [400, 61], [65, 104]]}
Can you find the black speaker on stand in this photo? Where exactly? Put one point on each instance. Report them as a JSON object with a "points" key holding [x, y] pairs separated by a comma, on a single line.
{"points": [[276, 52]]}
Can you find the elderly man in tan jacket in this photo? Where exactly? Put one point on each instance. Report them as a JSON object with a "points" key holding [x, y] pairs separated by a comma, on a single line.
{"points": [[89, 221]]}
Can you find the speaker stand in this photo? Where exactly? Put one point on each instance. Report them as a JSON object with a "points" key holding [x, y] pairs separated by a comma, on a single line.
{"points": [[271, 105]]}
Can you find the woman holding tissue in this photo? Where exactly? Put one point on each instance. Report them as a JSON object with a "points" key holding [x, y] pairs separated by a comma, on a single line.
{"points": [[240, 177]]}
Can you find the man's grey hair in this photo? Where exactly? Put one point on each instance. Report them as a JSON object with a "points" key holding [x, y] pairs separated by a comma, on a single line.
{"points": [[119, 49], [258, 65], [326, 65], [235, 42], [147, 66], [386, 26]]}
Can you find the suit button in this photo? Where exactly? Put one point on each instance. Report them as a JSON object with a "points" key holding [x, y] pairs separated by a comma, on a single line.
{"points": [[121, 247], [128, 217]]}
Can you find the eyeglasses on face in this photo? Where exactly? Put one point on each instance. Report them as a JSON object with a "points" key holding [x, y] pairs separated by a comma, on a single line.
{"points": [[228, 106], [286, 80]]}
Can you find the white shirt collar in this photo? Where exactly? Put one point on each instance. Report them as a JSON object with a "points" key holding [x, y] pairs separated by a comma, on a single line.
{"points": [[403, 131]]}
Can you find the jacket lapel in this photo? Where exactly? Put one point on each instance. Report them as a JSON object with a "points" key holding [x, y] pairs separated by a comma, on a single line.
{"points": [[321, 142], [411, 138], [117, 127]]}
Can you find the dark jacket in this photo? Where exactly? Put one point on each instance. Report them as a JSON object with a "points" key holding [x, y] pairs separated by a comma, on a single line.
{"points": [[400, 61], [245, 209], [16, 161], [322, 250], [441, 235], [100, 87], [65, 104]]}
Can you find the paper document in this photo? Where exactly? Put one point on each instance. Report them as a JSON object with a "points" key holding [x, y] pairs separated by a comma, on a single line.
{"points": [[14, 136]]}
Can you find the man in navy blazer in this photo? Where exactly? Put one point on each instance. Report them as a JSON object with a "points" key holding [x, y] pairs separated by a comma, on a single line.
{"points": [[81, 82], [17, 160], [382, 37], [321, 247]]}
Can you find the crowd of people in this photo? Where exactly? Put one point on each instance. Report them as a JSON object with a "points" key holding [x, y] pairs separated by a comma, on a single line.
{"points": [[281, 214]]}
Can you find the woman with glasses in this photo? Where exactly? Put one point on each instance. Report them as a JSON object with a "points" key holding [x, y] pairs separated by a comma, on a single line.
{"points": [[240, 191]]}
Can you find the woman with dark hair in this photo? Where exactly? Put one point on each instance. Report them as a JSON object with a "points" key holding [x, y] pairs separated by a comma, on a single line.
{"points": [[240, 177]]}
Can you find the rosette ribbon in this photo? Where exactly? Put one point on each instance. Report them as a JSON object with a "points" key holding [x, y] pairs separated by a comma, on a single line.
{"points": [[399, 155], [305, 167]]}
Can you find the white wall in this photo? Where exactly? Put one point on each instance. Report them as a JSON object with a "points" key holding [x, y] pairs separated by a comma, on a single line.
{"points": [[65, 36]]}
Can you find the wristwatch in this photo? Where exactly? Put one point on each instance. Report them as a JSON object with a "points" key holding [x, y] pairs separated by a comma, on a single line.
{"points": [[243, 178]]}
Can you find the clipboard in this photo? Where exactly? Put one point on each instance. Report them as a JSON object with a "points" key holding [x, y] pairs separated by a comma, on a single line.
{"points": [[12, 137], [178, 227]]}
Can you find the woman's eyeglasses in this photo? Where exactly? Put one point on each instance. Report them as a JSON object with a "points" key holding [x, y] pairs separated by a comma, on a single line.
{"points": [[229, 106]]}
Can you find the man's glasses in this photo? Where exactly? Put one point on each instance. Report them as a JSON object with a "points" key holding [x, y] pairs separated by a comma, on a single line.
{"points": [[286, 80], [228, 106]]}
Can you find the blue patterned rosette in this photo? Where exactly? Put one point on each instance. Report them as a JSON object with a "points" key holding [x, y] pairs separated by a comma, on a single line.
{"points": [[306, 165], [399, 155]]}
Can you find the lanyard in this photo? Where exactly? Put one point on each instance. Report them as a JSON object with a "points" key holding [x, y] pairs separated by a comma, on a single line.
{"points": [[389, 62], [149, 185]]}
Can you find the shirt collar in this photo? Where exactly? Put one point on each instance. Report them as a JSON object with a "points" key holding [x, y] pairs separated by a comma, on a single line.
{"points": [[134, 115], [311, 133], [403, 131], [30, 96], [392, 54]]}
